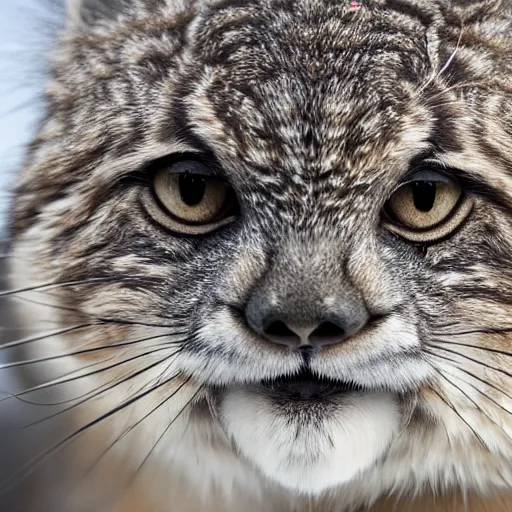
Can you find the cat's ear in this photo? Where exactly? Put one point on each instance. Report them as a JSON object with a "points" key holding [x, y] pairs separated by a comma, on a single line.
{"points": [[85, 13]]}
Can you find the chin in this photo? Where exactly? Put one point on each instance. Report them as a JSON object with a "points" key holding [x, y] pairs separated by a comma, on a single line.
{"points": [[307, 434]]}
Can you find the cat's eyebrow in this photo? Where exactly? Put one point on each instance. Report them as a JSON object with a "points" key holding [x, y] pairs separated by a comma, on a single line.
{"points": [[489, 182], [112, 169], [209, 167], [493, 185]]}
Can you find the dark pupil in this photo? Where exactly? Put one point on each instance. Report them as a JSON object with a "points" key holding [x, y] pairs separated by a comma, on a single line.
{"points": [[192, 189], [424, 195]]}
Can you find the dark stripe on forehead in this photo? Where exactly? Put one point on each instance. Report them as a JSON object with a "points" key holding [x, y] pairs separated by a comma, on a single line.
{"points": [[177, 124], [481, 134], [233, 4], [424, 13], [483, 188], [467, 12], [444, 135], [498, 196]]}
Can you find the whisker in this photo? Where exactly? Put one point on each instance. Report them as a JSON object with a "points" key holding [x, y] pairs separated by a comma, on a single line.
{"points": [[477, 407], [490, 384], [64, 380], [456, 87], [53, 285], [30, 466], [446, 65], [82, 376], [476, 361], [105, 319], [24, 341], [160, 437], [452, 56], [17, 364], [500, 330], [469, 345], [98, 393], [487, 397], [454, 409], [135, 425], [447, 324], [27, 328]]}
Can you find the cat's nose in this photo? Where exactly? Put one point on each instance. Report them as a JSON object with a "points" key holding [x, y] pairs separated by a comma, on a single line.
{"points": [[294, 326]]}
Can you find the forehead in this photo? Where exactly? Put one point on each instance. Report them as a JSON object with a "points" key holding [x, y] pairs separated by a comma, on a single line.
{"points": [[307, 88]]}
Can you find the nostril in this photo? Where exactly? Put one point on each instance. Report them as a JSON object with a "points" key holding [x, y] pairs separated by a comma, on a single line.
{"points": [[279, 332], [327, 333], [279, 328]]}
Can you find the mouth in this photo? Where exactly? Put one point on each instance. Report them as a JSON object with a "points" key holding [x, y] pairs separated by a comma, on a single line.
{"points": [[305, 385], [324, 432]]}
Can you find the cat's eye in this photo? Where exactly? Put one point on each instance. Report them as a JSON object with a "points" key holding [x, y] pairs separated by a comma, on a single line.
{"points": [[188, 198], [427, 208]]}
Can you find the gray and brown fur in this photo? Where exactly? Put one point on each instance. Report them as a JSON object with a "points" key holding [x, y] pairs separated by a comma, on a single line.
{"points": [[313, 111]]}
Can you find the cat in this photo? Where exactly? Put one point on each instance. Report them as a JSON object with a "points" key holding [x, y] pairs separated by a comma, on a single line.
{"points": [[263, 248]]}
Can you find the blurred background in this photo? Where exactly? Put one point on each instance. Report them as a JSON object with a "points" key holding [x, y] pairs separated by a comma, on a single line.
{"points": [[27, 30]]}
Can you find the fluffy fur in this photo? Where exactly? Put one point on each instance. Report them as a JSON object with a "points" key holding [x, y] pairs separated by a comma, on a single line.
{"points": [[314, 110]]}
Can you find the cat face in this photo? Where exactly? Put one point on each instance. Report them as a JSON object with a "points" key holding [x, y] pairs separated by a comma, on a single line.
{"points": [[300, 211]]}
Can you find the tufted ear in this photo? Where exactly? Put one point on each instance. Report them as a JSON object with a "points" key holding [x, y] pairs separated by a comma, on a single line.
{"points": [[85, 13]]}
